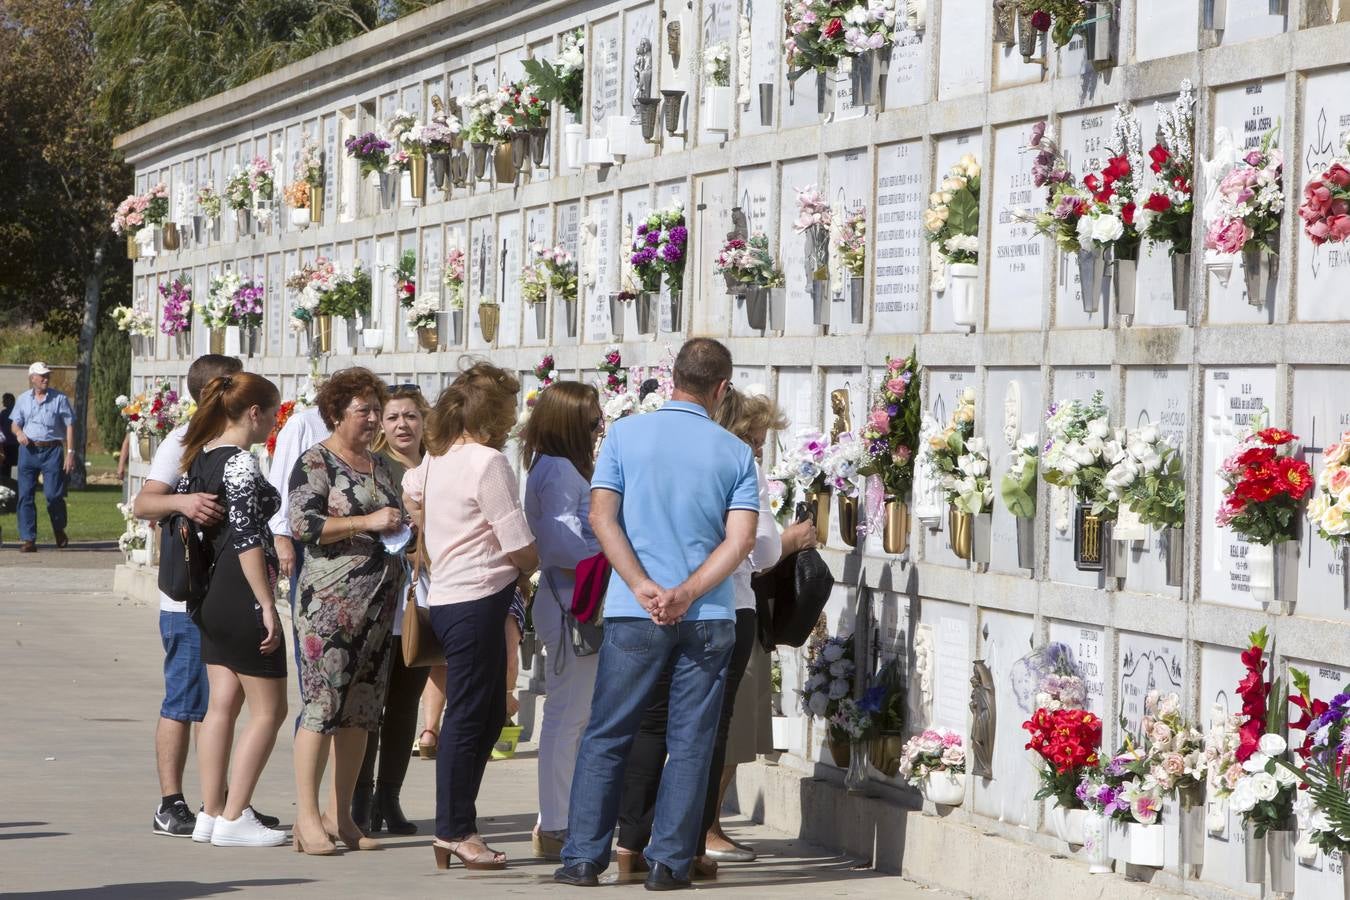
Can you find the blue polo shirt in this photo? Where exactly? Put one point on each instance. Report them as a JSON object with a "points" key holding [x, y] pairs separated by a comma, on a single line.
{"points": [[45, 421], [679, 474]]}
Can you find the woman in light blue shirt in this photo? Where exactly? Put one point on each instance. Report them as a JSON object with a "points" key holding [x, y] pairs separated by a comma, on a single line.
{"points": [[557, 447]]}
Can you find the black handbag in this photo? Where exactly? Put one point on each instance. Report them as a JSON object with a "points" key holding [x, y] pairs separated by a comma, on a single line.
{"points": [[790, 597], [185, 558]]}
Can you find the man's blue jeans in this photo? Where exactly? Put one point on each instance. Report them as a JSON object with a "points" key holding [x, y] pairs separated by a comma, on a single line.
{"points": [[632, 657], [46, 461]]}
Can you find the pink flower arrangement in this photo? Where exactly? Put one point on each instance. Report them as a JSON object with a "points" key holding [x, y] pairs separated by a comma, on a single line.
{"points": [[1326, 204], [1251, 201], [130, 214], [812, 210], [177, 296]]}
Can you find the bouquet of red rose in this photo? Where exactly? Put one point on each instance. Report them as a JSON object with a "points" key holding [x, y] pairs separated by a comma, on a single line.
{"points": [[1067, 739], [1166, 217], [1264, 484]]}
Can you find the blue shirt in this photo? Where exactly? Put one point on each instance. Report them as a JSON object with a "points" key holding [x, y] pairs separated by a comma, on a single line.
{"points": [[679, 474], [45, 421]]}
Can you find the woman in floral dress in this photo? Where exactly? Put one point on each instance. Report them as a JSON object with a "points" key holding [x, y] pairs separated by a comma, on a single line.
{"points": [[346, 508]]}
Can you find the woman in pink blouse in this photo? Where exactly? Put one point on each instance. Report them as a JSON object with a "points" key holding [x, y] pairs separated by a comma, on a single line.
{"points": [[478, 546]]}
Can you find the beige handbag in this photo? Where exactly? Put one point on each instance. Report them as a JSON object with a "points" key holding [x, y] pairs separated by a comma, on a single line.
{"points": [[420, 645]]}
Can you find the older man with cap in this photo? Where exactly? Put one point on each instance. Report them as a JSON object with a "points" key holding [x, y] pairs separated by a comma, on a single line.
{"points": [[44, 423]]}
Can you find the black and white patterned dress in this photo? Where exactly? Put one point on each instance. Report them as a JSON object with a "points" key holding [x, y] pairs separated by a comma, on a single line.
{"points": [[230, 619]]}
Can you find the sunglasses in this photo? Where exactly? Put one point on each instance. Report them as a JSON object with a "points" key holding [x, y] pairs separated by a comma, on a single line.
{"points": [[414, 388], [596, 423]]}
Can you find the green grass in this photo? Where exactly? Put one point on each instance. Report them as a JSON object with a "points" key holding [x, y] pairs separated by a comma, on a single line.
{"points": [[91, 515]]}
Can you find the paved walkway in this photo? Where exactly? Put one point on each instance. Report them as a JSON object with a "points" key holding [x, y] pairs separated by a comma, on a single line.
{"points": [[81, 675]]}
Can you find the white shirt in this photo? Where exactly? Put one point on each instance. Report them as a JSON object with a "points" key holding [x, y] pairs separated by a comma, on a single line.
{"points": [[302, 430], [166, 468], [768, 548], [557, 507]]}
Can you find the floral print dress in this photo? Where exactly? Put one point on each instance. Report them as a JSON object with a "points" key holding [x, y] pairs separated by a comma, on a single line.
{"points": [[346, 595]]}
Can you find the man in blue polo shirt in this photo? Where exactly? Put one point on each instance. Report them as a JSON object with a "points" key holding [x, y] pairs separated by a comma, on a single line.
{"points": [[674, 504], [44, 424]]}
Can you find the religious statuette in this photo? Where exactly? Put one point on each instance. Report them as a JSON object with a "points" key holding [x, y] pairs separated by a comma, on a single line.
{"points": [[983, 720]]}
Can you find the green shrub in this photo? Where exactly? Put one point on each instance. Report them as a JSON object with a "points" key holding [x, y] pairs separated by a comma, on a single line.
{"points": [[111, 377]]}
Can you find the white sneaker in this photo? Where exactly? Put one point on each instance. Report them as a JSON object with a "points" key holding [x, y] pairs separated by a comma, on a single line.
{"points": [[206, 826], [245, 831]]}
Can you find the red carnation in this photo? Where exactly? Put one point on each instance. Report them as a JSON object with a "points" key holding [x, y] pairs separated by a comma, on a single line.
{"points": [[1157, 203], [1160, 156], [1117, 167], [834, 28]]}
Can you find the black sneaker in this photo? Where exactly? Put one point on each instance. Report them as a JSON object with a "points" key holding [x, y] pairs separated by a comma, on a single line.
{"points": [[269, 821], [176, 821]]}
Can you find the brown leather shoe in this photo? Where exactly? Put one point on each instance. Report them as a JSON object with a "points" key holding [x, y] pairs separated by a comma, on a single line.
{"points": [[61, 538], [28, 547]]}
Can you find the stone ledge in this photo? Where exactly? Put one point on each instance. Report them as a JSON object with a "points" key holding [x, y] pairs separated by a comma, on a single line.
{"points": [[893, 834]]}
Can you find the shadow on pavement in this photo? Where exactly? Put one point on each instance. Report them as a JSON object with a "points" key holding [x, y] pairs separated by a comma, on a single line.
{"points": [[160, 890], [24, 835]]}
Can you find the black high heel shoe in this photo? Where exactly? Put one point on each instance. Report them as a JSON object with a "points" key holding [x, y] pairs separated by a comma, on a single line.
{"points": [[363, 813], [386, 814]]}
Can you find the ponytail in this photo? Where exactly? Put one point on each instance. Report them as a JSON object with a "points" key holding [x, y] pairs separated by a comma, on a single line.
{"points": [[224, 400]]}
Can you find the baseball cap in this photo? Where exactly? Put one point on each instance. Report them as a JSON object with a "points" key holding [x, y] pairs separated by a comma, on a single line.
{"points": [[39, 368]]}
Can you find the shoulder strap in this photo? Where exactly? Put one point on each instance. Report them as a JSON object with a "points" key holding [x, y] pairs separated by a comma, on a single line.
{"points": [[422, 532]]}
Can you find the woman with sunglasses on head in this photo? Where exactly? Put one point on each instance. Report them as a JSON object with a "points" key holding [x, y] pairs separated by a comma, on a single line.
{"points": [[556, 448], [478, 546], [375, 803], [347, 511]]}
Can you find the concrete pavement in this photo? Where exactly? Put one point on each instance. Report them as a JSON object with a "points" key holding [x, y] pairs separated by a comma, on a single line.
{"points": [[81, 676]]}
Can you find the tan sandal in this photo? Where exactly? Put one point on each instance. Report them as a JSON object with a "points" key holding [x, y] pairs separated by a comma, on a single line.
{"points": [[494, 859], [427, 749]]}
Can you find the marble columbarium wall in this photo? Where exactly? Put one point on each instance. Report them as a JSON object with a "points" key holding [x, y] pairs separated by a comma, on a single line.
{"points": [[949, 91]]}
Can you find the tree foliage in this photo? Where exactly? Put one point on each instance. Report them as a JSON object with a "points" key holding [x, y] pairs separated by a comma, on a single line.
{"points": [[112, 376]]}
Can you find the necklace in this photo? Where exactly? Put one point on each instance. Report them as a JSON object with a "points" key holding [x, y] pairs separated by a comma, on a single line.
{"points": [[370, 470]]}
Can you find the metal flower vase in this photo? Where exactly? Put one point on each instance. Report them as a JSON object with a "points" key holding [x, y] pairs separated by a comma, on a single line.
{"points": [[616, 314], [1174, 555], [541, 320], [250, 341], [672, 110], [766, 104], [676, 309], [172, 240], [1191, 806], [1026, 543], [1273, 572], [1254, 855], [1028, 37], [649, 115], [503, 163], [243, 221], [648, 311], [981, 538], [960, 532], [182, 343], [481, 151], [570, 316], [539, 146], [756, 300], [322, 334], [895, 528], [861, 78], [520, 151], [820, 303], [440, 169], [1089, 539], [199, 229], [819, 503], [428, 339], [1181, 281], [857, 298], [1261, 270], [1101, 34], [848, 519], [884, 751], [1091, 268], [316, 204], [488, 319], [450, 328], [388, 186], [417, 170], [217, 340], [1123, 273]]}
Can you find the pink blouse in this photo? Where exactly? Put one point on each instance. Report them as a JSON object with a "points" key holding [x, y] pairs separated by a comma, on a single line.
{"points": [[473, 519]]}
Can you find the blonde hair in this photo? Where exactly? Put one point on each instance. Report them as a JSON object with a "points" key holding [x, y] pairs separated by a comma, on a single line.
{"points": [[746, 415], [404, 392], [480, 402]]}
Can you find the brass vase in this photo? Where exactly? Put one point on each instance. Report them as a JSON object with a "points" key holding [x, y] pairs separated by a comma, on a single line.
{"points": [[427, 338], [960, 532], [819, 502], [839, 752], [133, 248], [848, 520], [172, 241], [323, 333], [488, 318], [218, 341], [1089, 539], [315, 204], [417, 171], [143, 445], [895, 527], [502, 165], [884, 752]]}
